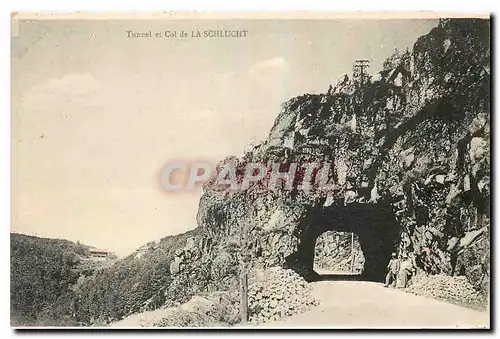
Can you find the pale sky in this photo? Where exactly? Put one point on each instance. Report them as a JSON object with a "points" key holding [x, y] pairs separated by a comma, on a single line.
{"points": [[95, 115]]}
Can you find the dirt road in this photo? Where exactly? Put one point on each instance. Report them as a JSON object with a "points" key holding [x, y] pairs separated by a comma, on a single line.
{"points": [[362, 304], [358, 304]]}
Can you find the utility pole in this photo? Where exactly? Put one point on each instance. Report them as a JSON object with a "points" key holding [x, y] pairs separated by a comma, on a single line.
{"points": [[244, 298], [359, 67], [244, 256], [352, 252]]}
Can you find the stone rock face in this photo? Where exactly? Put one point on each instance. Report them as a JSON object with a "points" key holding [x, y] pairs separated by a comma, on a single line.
{"points": [[410, 158], [333, 252]]}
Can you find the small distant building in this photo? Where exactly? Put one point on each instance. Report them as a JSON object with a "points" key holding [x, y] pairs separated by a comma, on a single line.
{"points": [[98, 253]]}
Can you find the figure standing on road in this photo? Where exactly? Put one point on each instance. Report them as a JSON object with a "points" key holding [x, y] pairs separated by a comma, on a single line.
{"points": [[406, 271], [393, 270]]}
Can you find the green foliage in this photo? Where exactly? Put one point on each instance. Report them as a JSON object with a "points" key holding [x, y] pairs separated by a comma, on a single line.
{"points": [[42, 272], [133, 284], [53, 282]]}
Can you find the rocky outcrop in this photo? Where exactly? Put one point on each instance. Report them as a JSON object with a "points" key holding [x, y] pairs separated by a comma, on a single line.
{"points": [[338, 252], [411, 159]]}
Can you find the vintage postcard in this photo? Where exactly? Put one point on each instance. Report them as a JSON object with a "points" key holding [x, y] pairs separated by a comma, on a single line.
{"points": [[250, 170]]}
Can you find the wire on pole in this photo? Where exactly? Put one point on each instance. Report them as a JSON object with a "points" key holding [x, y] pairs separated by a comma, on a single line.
{"points": [[359, 68]]}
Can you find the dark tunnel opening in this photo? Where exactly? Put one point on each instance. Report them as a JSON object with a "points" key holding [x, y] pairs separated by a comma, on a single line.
{"points": [[375, 227]]}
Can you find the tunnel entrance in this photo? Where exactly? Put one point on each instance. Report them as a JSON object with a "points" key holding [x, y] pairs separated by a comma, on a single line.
{"points": [[338, 253], [376, 228]]}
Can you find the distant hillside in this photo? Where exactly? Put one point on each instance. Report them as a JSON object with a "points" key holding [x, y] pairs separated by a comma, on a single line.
{"points": [[43, 273], [141, 281], [57, 282]]}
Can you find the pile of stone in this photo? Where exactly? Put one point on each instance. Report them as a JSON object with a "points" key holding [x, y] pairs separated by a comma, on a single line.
{"points": [[275, 293], [455, 290]]}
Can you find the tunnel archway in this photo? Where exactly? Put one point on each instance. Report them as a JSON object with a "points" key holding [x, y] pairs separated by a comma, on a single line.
{"points": [[375, 225]]}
